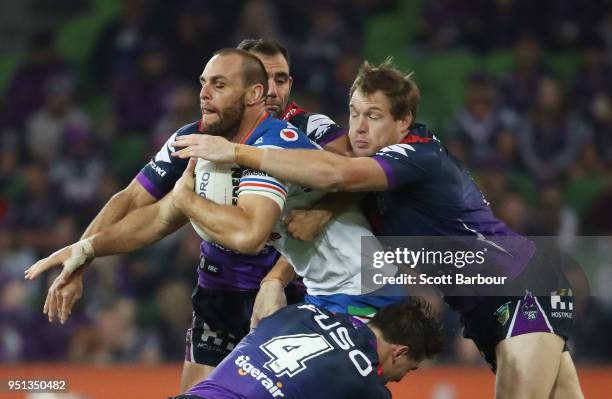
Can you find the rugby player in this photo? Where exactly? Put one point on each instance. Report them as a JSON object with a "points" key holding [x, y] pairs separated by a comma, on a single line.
{"points": [[424, 191], [215, 300], [294, 353]]}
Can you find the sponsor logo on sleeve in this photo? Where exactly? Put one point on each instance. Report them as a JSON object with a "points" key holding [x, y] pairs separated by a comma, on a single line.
{"points": [[289, 135]]}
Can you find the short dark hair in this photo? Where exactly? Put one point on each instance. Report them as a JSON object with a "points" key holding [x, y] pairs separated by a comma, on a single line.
{"points": [[401, 90], [265, 47], [253, 70], [411, 323]]}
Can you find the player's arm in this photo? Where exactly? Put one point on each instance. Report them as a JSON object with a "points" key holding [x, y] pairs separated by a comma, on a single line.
{"points": [[320, 170], [139, 228], [271, 295], [136, 230], [307, 224], [134, 196], [244, 228]]}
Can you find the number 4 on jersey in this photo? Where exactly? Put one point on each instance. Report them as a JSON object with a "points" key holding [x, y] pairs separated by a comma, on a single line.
{"points": [[288, 353]]}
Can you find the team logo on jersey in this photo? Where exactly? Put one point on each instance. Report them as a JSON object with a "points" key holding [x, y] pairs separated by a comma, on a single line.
{"points": [[318, 125], [399, 148], [164, 154], [289, 135], [530, 310], [502, 314]]}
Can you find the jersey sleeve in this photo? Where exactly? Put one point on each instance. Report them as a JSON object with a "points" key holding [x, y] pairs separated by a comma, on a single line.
{"points": [[163, 170], [280, 135], [260, 183], [318, 127], [408, 164]]}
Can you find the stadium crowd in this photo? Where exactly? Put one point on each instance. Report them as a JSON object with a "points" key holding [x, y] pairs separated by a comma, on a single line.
{"points": [[539, 144]]}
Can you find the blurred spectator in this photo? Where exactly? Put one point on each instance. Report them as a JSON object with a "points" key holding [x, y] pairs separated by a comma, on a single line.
{"points": [[181, 108], [174, 304], [258, 19], [114, 337], [193, 41], [601, 117], [12, 180], [327, 40], [115, 56], [23, 92], [78, 174], [34, 214], [553, 217], [25, 334], [138, 99], [518, 88], [513, 210], [599, 217], [440, 26], [551, 136], [593, 78], [48, 127], [476, 126]]}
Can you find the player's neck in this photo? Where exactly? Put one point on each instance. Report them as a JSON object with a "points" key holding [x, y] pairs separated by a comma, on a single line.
{"points": [[382, 347], [252, 117]]}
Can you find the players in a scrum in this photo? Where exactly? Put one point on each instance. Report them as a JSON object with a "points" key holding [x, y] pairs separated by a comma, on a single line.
{"points": [[424, 191]]}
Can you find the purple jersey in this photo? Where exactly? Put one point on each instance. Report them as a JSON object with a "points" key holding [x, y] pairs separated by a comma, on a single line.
{"points": [[300, 352], [319, 128], [431, 194]]}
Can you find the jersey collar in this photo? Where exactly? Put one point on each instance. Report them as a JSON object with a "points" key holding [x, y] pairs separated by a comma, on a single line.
{"points": [[418, 133], [262, 118]]}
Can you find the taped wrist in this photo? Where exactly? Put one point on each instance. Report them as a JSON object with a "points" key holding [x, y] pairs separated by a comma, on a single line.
{"points": [[81, 253]]}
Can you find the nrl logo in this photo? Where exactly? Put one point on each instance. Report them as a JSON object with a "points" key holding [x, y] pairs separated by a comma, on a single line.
{"points": [[502, 314]]}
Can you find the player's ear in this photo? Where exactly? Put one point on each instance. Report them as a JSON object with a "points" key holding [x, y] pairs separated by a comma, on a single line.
{"points": [[406, 121], [399, 351], [255, 94]]}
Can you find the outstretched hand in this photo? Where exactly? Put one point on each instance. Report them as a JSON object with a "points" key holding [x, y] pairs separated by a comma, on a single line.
{"points": [[71, 257], [61, 297]]}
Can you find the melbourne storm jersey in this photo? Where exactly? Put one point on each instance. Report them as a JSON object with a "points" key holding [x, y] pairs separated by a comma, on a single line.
{"points": [[431, 194], [300, 352], [319, 128]]}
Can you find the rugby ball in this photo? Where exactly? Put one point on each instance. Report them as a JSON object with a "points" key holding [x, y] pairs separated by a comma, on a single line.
{"points": [[217, 182]]}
